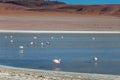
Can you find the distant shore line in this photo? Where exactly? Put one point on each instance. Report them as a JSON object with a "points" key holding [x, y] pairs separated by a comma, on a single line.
{"points": [[45, 31], [23, 73]]}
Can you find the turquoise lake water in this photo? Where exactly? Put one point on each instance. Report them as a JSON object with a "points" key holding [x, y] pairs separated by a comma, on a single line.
{"points": [[76, 52]]}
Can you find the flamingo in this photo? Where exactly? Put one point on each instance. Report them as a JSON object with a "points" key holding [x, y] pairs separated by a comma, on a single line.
{"points": [[35, 37], [93, 38], [11, 36], [21, 47], [62, 37], [32, 43], [95, 59], [48, 43], [42, 44], [11, 41], [57, 61], [52, 37]]}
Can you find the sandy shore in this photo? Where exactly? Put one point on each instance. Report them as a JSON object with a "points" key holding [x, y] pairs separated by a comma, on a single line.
{"points": [[13, 73], [67, 23]]}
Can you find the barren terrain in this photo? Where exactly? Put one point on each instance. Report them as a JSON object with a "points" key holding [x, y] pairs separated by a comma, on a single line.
{"points": [[76, 23]]}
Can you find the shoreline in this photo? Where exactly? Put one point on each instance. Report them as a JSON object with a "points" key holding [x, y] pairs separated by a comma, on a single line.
{"points": [[14, 73], [42, 31]]}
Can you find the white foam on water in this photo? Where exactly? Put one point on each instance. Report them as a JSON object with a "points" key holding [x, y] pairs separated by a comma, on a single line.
{"points": [[33, 31]]}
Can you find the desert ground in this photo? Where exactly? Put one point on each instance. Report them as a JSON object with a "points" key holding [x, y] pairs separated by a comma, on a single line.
{"points": [[18, 20]]}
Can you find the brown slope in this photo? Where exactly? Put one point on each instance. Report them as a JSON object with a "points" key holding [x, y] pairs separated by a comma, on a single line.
{"points": [[93, 9], [32, 3], [5, 6], [82, 9]]}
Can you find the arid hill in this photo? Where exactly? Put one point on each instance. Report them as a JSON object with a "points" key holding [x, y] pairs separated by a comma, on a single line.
{"points": [[54, 6], [83, 9], [94, 9], [4, 6], [32, 3]]}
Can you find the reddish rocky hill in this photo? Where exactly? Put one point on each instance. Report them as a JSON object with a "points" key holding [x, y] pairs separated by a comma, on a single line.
{"points": [[93, 9], [4, 6], [46, 5]]}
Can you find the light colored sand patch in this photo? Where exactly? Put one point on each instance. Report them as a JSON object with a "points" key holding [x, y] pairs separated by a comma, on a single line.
{"points": [[60, 23], [12, 73]]}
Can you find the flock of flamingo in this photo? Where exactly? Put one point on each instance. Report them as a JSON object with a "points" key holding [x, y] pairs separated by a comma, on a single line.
{"points": [[21, 47], [55, 61]]}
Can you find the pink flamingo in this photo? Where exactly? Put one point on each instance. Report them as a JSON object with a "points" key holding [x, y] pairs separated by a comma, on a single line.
{"points": [[57, 61], [95, 59]]}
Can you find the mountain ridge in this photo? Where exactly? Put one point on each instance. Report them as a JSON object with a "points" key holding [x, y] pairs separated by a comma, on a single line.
{"points": [[54, 6]]}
